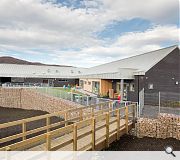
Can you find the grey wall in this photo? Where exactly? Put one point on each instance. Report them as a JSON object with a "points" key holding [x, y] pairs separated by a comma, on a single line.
{"points": [[139, 85], [163, 76]]}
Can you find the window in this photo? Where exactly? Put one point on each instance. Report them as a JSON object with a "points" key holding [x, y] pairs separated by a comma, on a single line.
{"points": [[57, 71], [150, 86], [89, 83], [85, 82], [132, 87]]}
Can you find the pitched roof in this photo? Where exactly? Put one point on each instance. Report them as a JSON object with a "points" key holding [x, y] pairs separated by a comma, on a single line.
{"points": [[142, 62], [121, 69], [39, 71]]}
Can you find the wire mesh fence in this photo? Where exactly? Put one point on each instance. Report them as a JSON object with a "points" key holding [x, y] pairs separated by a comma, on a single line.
{"points": [[10, 100], [71, 96], [160, 102], [80, 98]]}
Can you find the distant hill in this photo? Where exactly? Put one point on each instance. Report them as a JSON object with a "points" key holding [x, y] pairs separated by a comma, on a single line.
{"points": [[12, 60]]}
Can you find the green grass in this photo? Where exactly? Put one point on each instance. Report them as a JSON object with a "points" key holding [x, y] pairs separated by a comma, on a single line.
{"points": [[59, 92]]}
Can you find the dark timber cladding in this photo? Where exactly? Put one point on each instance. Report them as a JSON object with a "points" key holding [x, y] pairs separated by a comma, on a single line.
{"points": [[165, 74], [163, 77]]}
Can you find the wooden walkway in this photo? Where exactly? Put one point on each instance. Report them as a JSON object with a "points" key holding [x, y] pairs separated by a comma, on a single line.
{"points": [[93, 132], [85, 142]]}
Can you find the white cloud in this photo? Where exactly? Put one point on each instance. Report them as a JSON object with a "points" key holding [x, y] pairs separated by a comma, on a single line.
{"points": [[155, 35], [154, 10], [126, 45], [33, 23], [30, 24]]}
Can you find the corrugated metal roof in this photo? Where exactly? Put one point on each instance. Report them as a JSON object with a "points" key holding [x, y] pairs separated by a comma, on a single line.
{"points": [[140, 63], [121, 69], [121, 74]]}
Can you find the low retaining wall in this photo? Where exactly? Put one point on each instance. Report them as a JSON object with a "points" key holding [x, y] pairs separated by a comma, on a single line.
{"points": [[165, 126], [31, 99]]}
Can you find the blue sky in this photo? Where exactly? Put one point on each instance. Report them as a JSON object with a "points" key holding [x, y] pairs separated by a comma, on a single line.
{"points": [[117, 28], [86, 33]]}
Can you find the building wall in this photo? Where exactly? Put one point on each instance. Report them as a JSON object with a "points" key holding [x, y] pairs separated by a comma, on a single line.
{"points": [[114, 81], [59, 82], [105, 86], [138, 86], [88, 84], [164, 76], [62, 82]]}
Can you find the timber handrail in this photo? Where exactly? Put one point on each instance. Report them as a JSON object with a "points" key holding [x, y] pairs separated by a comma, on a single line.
{"points": [[48, 125], [94, 122], [13, 123]]}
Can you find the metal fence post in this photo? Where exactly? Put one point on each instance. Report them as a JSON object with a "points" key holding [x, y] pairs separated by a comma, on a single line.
{"points": [[118, 123], [126, 119], [137, 110]]}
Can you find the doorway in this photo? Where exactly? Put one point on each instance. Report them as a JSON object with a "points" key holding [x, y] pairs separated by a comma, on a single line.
{"points": [[125, 89]]}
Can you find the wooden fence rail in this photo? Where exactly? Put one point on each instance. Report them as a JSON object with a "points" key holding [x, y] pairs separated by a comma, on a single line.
{"points": [[91, 125]]}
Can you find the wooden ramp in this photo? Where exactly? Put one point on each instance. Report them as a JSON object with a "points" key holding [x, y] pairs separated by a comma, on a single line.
{"points": [[93, 132]]}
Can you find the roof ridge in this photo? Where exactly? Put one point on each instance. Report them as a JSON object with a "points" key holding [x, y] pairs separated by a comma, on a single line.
{"points": [[136, 55]]}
